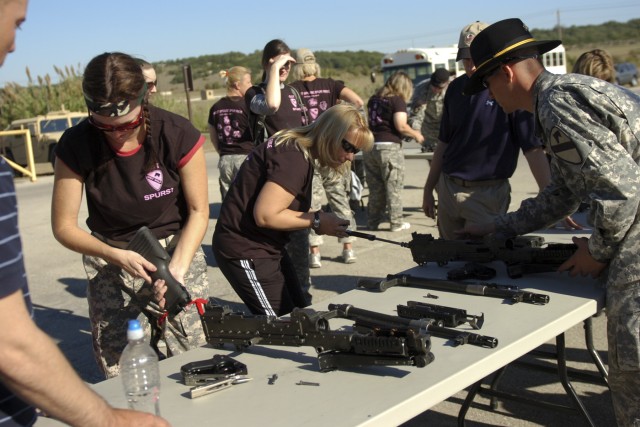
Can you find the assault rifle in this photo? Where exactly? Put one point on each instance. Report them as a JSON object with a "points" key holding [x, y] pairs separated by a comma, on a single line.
{"points": [[145, 243], [307, 327], [366, 320], [511, 293], [522, 254]]}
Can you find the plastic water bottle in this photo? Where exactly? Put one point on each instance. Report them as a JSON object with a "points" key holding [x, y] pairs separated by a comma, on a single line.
{"points": [[139, 371]]}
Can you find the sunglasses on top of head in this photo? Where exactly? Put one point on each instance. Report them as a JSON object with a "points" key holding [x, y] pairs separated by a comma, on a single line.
{"points": [[133, 124], [349, 147]]}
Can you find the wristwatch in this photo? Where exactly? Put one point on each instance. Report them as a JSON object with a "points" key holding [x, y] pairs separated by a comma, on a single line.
{"points": [[316, 220]]}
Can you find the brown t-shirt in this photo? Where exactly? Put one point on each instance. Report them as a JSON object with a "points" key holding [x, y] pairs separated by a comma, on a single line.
{"points": [[237, 236], [230, 119], [121, 196], [289, 114], [381, 111], [318, 95]]}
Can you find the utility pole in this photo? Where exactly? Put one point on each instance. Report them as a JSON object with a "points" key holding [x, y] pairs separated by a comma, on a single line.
{"points": [[558, 24], [188, 86]]}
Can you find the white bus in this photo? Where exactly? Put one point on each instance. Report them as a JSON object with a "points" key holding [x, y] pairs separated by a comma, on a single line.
{"points": [[420, 63], [555, 61]]}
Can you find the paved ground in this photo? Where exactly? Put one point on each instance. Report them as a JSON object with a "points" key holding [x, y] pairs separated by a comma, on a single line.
{"points": [[57, 283]]}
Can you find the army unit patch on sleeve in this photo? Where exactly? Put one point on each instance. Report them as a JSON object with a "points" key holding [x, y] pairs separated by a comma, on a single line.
{"points": [[564, 148]]}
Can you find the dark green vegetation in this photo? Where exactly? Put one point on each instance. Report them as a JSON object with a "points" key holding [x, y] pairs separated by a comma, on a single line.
{"points": [[354, 67]]}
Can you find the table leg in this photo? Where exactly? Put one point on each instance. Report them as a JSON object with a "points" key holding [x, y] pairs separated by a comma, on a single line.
{"points": [[564, 379], [561, 359], [473, 391], [588, 337]]}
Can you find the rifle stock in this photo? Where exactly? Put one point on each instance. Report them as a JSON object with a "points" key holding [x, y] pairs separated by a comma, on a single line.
{"points": [[146, 244]]}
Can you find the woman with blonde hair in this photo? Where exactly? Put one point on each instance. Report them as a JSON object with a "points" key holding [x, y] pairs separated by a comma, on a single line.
{"points": [[229, 126], [596, 63], [270, 199], [384, 165]]}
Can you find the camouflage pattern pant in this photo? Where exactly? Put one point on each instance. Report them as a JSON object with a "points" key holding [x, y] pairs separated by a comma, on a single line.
{"points": [[229, 165], [298, 250], [115, 297], [384, 166], [623, 335], [336, 191]]}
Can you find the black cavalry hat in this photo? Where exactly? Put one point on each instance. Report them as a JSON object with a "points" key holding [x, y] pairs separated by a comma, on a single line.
{"points": [[495, 43]]}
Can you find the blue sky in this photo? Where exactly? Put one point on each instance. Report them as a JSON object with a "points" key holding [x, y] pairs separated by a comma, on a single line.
{"points": [[68, 33]]}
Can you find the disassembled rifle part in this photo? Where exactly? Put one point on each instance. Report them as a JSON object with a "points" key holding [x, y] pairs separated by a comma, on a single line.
{"points": [[472, 270], [212, 375], [445, 316], [508, 292], [146, 244], [307, 383], [218, 367], [402, 326], [336, 349], [217, 385]]}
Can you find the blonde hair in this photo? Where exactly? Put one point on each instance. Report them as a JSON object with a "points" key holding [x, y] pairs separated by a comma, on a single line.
{"points": [[398, 84], [597, 63], [324, 136], [233, 75], [300, 71]]}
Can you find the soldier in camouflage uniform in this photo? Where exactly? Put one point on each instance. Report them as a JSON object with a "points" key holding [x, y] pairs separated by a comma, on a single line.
{"points": [[592, 132], [335, 189], [426, 108]]}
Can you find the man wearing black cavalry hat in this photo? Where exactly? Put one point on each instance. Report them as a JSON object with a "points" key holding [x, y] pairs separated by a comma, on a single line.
{"points": [[591, 129]]}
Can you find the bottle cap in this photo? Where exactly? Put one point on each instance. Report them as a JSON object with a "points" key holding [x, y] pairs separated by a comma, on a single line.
{"points": [[134, 331]]}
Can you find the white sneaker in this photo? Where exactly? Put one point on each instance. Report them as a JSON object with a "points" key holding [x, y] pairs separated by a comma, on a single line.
{"points": [[403, 226], [314, 260], [348, 256]]}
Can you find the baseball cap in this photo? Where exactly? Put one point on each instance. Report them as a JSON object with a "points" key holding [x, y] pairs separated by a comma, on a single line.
{"points": [[439, 77], [467, 35], [305, 56]]}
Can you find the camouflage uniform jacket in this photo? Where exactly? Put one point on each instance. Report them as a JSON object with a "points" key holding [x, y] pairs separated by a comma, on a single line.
{"points": [[592, 131], [426, 113]]}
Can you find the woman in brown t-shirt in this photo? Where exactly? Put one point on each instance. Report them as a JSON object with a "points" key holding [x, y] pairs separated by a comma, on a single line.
{"points": [[271, 198]]}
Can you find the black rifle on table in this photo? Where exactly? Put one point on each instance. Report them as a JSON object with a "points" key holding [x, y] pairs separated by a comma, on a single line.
{"points": [[445, 316], [508, 292], [521, 254], [366, 320], [307, 327], [145, 243]]}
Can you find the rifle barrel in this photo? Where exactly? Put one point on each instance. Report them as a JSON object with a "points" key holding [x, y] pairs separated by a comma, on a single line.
{"points": [[373, 237], [484, 289]]}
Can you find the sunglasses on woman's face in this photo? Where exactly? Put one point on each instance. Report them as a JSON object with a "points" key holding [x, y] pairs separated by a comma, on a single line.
{"points": [[133, 124], [349, 147]]}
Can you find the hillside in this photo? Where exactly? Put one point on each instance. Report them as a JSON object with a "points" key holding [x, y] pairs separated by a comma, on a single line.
{"points": [[353, 67], [620, 39]]}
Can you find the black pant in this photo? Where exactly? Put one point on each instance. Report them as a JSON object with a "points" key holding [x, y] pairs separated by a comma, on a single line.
{"points": [[266, 285]]}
